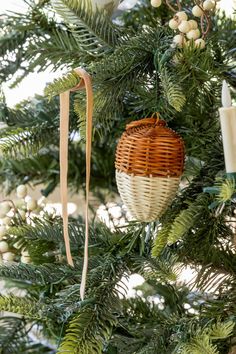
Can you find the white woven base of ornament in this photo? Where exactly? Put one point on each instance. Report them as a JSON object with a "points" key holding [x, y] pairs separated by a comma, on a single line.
{"points": [[146, 198]]}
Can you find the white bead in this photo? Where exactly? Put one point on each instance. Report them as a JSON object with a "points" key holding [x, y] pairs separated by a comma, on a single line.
{"points": [[173, 24], [25, 253], [208, 5], [182, 16], [6, 220], [156, 3], [4, 246], [193, 24], [193, 34], [25, 259], [8, 256], [21, 191], [197, 11], [3, 231], [184, 27], [5, 207], [200, 43], [31, 204], [179, 40]]}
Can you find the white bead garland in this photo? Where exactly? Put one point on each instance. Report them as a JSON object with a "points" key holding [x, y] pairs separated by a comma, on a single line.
{"points": [[208, 5], [31, 204], [200, 43], [184, 26], [197, 11], [21, 191], [179, 40], [8, 256], [193, 24], [173, 24], [5, 207], [3, 246], [3, 231], [182, 16], [156, 3], [193, 34]]}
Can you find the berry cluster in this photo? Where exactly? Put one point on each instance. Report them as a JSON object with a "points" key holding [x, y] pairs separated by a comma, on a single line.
{"points": [[22, 211], [189, 31]]}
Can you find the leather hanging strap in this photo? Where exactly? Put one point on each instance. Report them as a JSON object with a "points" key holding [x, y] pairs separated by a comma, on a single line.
{"points": [[64, 132]]}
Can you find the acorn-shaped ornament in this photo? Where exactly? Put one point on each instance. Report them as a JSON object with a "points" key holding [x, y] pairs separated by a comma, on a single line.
{"points": [[149, 164]]}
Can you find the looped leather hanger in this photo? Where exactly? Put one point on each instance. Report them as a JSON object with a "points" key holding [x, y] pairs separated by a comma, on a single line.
{"points": [[85, 83]]}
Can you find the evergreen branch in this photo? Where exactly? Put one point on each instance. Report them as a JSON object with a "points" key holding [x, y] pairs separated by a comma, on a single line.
{"points": [[21, 305], [161, 240], [50, 231], [12, 334], [199, 345], [159, 269], [62, 48], [22, 143], [171, 90], [221, 330], [94, 31], [227, 189], [187, 218], [40, 275], [62, 84], [90, 328]]}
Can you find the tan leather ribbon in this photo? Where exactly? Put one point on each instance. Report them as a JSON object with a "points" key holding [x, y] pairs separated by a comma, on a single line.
{"points": [[64, 131]]}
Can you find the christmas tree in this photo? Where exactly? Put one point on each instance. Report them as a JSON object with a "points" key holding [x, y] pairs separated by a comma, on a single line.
{"points": [[168, 57]]}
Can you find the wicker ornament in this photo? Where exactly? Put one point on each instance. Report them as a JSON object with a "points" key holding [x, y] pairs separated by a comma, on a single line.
{"points": [[149, 163]]}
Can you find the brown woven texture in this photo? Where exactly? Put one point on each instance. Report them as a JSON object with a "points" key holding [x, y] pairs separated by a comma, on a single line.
{"points": [[149, 148]]}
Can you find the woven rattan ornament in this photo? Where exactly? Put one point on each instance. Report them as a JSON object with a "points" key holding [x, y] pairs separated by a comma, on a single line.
{"points": [[149, 163]]}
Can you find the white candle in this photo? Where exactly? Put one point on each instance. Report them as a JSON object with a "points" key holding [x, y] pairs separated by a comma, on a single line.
{"points": [[228, 128]]}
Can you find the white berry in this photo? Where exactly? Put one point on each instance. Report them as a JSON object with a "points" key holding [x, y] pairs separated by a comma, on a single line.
{"points": [[200, 43], [25, 259], [182, 16], [156, 3], [193, 24], [184, 27], [31, 204], [179, 40], [4, 246], [193, 34], [3, 231], [21, 191], [173, 24], [197, 11], [8, 256], [5, 207], [208, 5]]}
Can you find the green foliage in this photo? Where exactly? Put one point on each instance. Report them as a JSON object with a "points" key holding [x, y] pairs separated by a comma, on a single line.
{"points": [[201, 343], [14, 328], [21, 305], [135, 73], [62, 84], [171, 90], [227, 189], [38, 275], [95, 33]]}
